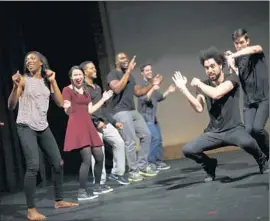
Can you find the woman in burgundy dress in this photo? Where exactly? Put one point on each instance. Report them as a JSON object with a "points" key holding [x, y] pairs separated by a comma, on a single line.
{"points": [[81, 133]]}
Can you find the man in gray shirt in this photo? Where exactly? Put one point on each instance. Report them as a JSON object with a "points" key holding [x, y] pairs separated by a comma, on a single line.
{"points": [[147, 106]]}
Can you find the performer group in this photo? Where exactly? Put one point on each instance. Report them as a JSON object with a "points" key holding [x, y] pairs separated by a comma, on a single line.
{"points": [[95, 116]]}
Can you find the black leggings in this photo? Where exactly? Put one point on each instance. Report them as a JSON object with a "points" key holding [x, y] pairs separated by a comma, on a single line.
{"points": [[30, 141], [255, 118], [86, 164]]}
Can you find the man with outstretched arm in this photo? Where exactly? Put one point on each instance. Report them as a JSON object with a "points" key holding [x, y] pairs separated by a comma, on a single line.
{"points": [[220, 92], [250, 64], [123, 109]]}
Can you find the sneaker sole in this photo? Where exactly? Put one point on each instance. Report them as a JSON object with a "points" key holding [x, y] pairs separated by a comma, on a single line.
{"points": [[103, 192], [107, 191], [118, 181], [148, 174], [135, 180], [122, 182], [88, 198], [164, 168]]}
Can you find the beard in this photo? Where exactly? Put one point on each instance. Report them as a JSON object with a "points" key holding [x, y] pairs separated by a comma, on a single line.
{"points": [[215, 78]]}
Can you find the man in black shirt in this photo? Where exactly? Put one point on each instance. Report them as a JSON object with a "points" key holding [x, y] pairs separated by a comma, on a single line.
{"points": [[220, 92], [106, 127], [123, 109], [250, 63]]}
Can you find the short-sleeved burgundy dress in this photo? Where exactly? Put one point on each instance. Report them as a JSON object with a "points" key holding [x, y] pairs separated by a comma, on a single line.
{"points": [[80, 131]]}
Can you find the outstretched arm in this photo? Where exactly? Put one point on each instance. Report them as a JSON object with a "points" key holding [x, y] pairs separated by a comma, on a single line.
{"points": [[197, 103], [171, 89], [148, 90], [248, 50]]}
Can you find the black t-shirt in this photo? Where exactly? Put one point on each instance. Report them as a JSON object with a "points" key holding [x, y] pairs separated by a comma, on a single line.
{"points": [[124, 100], [253, 75], [224, 113], [103, 113]]}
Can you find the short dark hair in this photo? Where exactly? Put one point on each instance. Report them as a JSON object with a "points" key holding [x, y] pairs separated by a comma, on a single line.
{"points": [[143, 67], [83, 64], [240, 32], [214, 53]]}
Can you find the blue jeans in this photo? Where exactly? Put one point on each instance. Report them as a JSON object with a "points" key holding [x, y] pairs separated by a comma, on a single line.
{"points": [[156, 147]]}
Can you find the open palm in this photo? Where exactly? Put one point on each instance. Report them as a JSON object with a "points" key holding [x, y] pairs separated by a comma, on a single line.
{"points": [[179, 80]]}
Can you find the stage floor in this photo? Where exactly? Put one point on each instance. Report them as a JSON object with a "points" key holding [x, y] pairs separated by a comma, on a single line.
{"points": [[240, 193]]}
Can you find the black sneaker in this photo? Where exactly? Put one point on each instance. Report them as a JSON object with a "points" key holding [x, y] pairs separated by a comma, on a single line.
{"points": [[100, 189], [210, 169], [85, 195], [106, 188]]}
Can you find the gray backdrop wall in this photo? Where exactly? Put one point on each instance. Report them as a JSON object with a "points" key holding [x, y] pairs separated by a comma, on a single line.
{"points": [[169, 35]]}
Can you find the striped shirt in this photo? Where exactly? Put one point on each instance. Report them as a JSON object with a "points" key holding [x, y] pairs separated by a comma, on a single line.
{"points": [[34, 104], [148, 108]]}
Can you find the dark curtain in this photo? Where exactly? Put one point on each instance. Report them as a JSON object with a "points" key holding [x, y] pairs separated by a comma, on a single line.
{"points": [[63, 32], [11, 55]]}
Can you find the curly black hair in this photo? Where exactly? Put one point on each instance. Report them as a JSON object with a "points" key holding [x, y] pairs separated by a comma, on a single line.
{"points": [[214, 53]]}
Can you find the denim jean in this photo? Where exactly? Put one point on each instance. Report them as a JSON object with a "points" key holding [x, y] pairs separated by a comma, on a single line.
{"points": [[156, 147]]}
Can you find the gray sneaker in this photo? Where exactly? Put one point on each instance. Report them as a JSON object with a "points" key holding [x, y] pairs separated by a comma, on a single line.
{"points": [[135, 177], [153, 166], [163, 166], [148, 171]]}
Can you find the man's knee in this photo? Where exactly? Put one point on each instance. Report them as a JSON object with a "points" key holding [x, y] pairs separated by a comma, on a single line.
{"points": [[257, 130], [248, 129], [146, 134], [155, 139], [129, 139], [247, 142], [188, 149]]}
